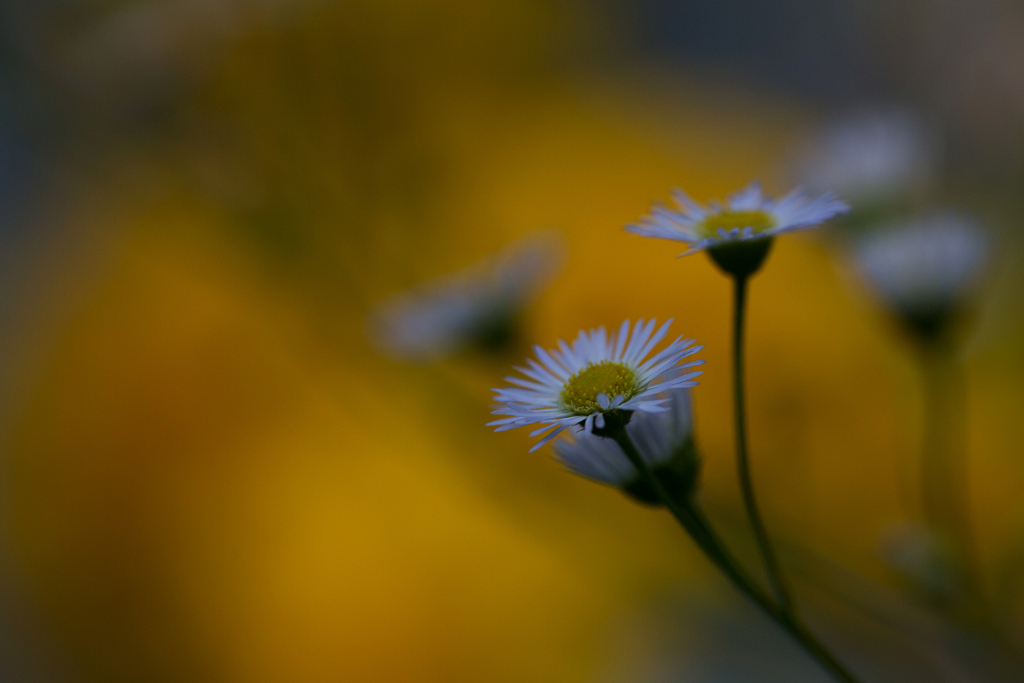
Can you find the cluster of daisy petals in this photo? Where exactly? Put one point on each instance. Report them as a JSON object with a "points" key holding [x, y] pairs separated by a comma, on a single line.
{"points": [[659, 438], [579, 369], [746, 215]]}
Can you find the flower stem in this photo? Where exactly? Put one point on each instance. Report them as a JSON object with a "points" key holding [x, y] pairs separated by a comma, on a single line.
{"points": [[944, 471], [689, 515], [945, 490], [944, 474], [742, 460]]}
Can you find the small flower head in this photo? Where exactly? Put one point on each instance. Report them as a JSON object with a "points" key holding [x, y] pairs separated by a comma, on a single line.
{"points": [[872, 157], [925, 268], [738, 233], [664, 440], [476, 307], [597, 376], [925, 558]]}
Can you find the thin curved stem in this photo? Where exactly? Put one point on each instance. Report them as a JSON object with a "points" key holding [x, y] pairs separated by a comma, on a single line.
{"points": [[692, 519], [944, 465], [787, 620], [764, 544]]}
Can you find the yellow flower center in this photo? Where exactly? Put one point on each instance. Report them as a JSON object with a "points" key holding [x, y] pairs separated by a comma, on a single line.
{"points": [[607, 377], [727, 220]]}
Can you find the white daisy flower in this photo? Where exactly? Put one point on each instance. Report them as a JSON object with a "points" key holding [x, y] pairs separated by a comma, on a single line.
{"points": [[598, 374], [747, 215], [925, 266], [475, 306], [658, 437], [868, 157]]}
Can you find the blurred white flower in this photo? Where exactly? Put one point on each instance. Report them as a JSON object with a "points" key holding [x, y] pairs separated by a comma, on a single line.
{"points": [[598, 374], [477, 306], [868, 158], [924, 266], [923, 557], [747, 215], [658, 437]]}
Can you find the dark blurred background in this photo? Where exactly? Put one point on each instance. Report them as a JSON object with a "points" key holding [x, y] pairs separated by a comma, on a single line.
{"points": [[210, 473]]}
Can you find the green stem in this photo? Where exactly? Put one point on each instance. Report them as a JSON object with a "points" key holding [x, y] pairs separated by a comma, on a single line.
{"points": [[943, 467], [944, 474], [743, 461], [944, 485], [692, 519]]}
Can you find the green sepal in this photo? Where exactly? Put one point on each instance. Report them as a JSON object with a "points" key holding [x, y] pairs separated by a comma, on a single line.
{"points": [[741, 258], [928, 325], [614, 420]]}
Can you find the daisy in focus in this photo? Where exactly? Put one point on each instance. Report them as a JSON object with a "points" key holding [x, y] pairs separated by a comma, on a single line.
{"points": [[597, 375], [924, 268], [747, 215], [664, 441], [475, 307]]}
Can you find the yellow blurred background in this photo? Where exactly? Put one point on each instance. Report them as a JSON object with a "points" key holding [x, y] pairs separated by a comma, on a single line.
{"points": [[210, 473]]}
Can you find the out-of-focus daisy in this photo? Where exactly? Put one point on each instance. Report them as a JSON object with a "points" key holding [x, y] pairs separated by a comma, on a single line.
{"points": [[664, 441], [924, 268], [747, 215], [598, 374], [925, 558], [869, 157], [477, 306]]}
